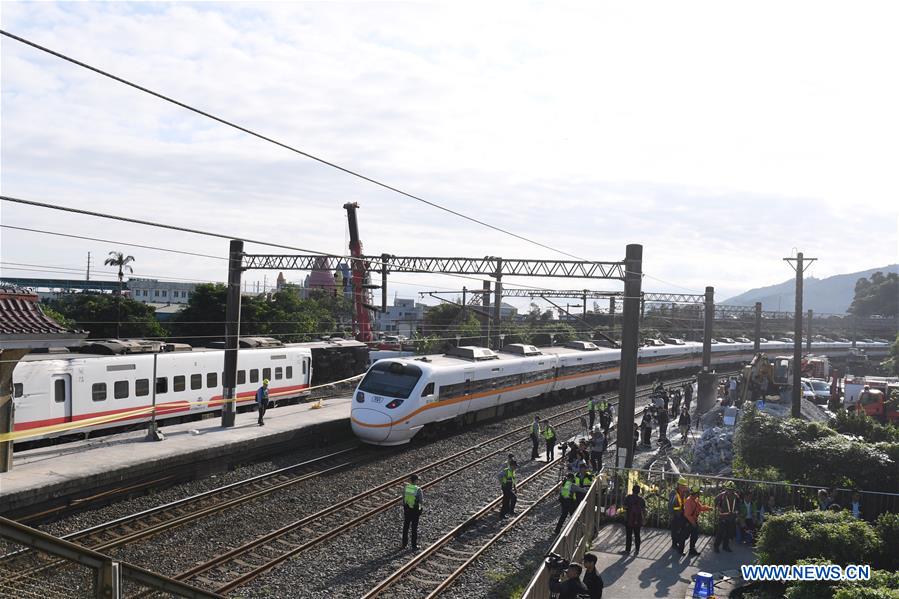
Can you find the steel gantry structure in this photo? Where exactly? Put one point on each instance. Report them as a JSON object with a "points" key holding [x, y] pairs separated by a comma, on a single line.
{"points": [[628, 270]]}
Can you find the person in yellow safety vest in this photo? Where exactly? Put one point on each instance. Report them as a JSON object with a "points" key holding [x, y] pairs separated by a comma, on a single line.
{"points": [[726, 502], [566, 498], [507, 483], [591, 411], [549, 434], [412, 500], [679, 524], [535, 437], [583, 479]]}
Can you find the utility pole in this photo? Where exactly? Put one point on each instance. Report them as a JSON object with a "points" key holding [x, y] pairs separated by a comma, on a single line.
{"points": [[707, 379], [384, 271], [797, 331], [630, 331], [611, 315], [232, 333], [584, 304], [485, 318], [808, 334], [758, 327], [498, 303], [88, 275]]}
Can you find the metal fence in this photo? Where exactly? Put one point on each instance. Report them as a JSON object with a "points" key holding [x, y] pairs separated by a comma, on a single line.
{"points": [[766, 497], [579, 531], [613, 484]]}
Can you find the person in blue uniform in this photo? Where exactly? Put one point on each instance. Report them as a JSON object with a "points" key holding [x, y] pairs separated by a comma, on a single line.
{"points": [[262, 400]]}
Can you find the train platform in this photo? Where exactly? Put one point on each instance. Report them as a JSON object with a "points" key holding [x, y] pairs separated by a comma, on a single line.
{"points": [[660, 572], [59, 476]]}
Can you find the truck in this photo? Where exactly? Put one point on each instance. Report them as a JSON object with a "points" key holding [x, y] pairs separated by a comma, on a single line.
{"points": [[881, 402]]}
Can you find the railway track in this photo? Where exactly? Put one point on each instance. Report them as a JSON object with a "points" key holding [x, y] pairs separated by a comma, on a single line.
{"points": [[141, 525], [260, 555]]}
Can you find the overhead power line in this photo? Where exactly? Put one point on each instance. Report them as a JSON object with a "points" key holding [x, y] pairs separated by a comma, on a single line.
{"points": [[286, 146]]}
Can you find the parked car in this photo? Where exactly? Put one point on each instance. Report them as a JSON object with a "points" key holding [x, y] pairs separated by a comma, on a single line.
{"points": [[784, 340], [673, 341], [807, 391], [725, 340], [820, 389], [742, 340], [762, 340]]}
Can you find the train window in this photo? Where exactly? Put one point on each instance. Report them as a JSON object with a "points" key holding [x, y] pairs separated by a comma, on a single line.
{"points": [[267, 373], [120, 389], [254, 375], [142, 387], [18, 390], [428, 390], [179, 383], [98, 392], [212, 380], [279, 373], [289, 373], [196, 381], [59, 390], [241, 377], [162, 385], [304, 366]]}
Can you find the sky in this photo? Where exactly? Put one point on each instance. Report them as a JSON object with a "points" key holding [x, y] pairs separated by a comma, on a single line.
{"points": [[722, 137]]}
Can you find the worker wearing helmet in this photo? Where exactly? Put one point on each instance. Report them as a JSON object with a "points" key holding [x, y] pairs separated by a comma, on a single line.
{"points": [[679, 524], [726, 504], [262, 400]]}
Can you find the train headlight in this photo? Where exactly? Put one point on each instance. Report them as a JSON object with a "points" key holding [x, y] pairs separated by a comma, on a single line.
{"points": [[395, 403], [360, 396]]}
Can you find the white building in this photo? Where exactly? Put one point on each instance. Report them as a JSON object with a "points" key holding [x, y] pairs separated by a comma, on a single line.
{"points": [[402, 318], [152, 291]]}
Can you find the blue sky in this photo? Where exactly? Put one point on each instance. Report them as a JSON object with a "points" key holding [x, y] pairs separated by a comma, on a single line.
{"points": [[720, 136]]}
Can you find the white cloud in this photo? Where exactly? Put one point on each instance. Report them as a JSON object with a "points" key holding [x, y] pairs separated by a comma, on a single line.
{"points": [[718, 135]]}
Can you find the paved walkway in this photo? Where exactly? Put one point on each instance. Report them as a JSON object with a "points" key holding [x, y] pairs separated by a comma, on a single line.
{"points": [[46, 472], [658, 571]]}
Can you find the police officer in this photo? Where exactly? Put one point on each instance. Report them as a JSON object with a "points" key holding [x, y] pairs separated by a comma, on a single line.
{"points": [[583, 479], [605, 417], [507, 483], [262, 400], [549, 434], [412, 500], [591, 411], [566, 499], [535, 437]]}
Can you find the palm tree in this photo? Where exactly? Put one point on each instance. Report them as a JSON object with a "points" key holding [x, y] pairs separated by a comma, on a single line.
{"points": [[121, 261]]}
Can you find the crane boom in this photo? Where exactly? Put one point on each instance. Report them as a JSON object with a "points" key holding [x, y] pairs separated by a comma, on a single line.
{"points": [[361, 315]]}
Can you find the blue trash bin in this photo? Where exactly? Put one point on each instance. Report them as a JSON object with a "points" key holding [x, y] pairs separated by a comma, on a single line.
{"points": [[705, 585]]}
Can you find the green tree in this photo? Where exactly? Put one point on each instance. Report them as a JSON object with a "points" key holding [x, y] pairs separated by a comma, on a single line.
{"points": [[105, 316], [877, 296]]}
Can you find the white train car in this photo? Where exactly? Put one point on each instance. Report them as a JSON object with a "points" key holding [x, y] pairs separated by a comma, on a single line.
{"points": [[398, 397], [55, 389]]}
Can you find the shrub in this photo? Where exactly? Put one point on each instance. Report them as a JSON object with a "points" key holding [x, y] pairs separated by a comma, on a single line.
{"points": [[860, 424], [834, 536], [814, 454], [887, 528]]}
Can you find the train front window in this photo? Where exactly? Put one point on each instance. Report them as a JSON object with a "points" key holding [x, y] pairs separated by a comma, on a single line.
{"points": [[392, 379]]}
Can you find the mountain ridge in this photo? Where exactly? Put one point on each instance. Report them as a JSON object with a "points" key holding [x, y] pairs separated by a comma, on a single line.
{"points": [[831, 295]]}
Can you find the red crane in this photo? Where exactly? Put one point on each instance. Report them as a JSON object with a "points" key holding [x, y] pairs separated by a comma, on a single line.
{"points": [[361, 317]]}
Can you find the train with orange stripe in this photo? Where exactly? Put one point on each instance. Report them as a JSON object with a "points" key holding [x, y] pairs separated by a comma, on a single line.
{"points": [[399, 397]]}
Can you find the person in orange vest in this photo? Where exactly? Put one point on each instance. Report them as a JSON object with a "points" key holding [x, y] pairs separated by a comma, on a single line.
{"points": [[692, 508], [678, 523]]}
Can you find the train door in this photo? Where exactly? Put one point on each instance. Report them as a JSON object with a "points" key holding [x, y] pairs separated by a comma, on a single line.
{"points": [[61, 390]]}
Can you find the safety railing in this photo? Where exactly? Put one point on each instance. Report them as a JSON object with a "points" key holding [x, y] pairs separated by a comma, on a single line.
{"points": [[572, 542], [765, 497], [109, 576]]}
